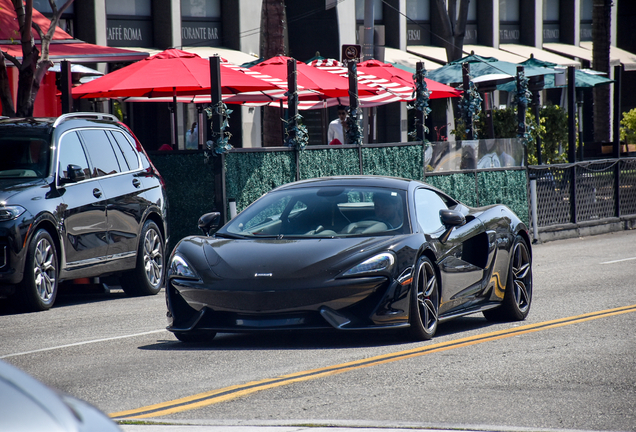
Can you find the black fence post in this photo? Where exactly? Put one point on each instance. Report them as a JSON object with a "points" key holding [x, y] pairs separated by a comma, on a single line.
{"points": [[218, 160], [572, 139], [618, 77], [466, 87]]}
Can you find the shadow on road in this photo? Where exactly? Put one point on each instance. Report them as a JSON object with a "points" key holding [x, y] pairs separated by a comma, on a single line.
{"points": [[301, 340]]}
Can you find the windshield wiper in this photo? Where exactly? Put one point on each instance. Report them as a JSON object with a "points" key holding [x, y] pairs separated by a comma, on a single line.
{"points": [[229, 235]]}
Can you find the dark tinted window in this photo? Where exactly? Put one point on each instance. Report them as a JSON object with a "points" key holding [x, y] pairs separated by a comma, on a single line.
{"points": [[100, 152], [126, 148], [72, 153], [23, 156]]}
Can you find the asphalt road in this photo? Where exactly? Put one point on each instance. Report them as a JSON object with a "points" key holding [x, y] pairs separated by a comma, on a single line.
{"points": [[570, 365]]}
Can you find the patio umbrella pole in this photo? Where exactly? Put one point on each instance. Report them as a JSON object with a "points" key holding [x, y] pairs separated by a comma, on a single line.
{"points": [[466, 87], [218, 160], [175, 136]]}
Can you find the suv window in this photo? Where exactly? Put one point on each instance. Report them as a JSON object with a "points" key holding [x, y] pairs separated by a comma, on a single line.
{"points": [[72, 153], [126, 149], [100, 152], [23, 157]]}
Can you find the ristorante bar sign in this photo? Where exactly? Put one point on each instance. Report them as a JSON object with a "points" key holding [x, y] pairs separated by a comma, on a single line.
{"points": [[201, 33]]}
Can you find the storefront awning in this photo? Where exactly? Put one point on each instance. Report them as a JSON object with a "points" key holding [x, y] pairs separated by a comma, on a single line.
{"points": [[436, 54], [627, 59], [584, 53], [77, 51], [407, 61], [540, 54]]}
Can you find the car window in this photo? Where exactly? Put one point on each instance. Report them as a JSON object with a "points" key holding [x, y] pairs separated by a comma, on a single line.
{"points": [[325, 212], [427, 207], [100, 152], [23, 156], [124, 146], [72, 153]]}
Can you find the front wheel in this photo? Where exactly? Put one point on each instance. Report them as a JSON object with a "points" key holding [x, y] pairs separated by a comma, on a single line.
{"points": [[38, 289], [518, 295], [147, 278], [424, 309]]}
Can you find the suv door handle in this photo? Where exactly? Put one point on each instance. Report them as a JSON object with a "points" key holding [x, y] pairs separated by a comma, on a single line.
{"points": [[136, 183], [97, 193]]}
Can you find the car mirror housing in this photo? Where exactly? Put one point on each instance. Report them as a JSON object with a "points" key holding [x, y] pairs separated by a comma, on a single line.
{"points": [[209, 222], [74, 174], [450, 219]]}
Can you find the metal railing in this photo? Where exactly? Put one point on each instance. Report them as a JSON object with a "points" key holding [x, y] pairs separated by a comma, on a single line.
{"points": [[582, 192]]}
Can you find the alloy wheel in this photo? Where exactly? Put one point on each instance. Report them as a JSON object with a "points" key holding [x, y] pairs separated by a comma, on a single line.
{"points": [[521, 277], [153, 257], [428, 297], [44, 271]]}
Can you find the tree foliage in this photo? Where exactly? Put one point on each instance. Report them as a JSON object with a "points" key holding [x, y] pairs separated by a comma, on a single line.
{"points": [[628, 127], [34, 64]]}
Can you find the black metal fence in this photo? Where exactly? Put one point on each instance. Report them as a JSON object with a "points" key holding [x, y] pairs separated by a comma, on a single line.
{"points": [[583, 192]]}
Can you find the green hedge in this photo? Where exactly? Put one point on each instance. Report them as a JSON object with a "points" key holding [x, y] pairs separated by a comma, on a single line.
{"points": [[250, 174]]}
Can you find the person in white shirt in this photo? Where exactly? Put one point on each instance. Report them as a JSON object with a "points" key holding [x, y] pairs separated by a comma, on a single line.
{"points": [[192, 137], [338, 128]]}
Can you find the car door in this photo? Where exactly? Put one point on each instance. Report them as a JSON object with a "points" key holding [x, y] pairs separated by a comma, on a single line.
{"points": [[460, 259], [83, 212], [125, 203]]}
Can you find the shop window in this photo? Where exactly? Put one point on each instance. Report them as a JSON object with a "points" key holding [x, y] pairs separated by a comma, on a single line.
{"points": [[201, 8], [509, 28], [551, 26], [418, 24], [587, 10], [129, 7], [44, 7]]}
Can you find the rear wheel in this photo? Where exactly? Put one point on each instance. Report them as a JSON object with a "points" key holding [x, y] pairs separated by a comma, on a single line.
{"points": [[424, 309], [39, 286], [518, 295], [147, 277]]}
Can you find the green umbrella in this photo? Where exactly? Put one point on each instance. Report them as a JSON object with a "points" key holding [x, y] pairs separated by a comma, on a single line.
{"points": [[452, 72], [581, 77]]}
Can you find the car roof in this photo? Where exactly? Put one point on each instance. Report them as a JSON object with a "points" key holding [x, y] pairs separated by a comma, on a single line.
{"points": [[61, 123], [354, 180]]}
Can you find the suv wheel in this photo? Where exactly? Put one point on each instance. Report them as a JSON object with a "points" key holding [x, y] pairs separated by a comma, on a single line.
{"points": [[147, 277], [38, 288]]}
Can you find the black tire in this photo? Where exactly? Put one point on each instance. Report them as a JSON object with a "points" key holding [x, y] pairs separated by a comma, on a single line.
{"points": [[424, 308], [39, 286], [515, 305], [189, 337], [148, 277]]}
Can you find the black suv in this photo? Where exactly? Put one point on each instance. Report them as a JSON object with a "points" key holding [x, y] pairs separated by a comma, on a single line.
{"points": [[79, 198]]}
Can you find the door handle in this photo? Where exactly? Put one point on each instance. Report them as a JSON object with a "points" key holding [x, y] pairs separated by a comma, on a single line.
{"points": [[136, 183], [97, 193]]}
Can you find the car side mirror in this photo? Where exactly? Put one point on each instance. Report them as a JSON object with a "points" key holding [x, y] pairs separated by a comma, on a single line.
{"points": [[450, 219], [209, 222], [74, 174]]}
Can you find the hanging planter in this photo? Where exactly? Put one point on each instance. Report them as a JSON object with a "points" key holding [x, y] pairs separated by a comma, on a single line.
{"points": [[220, 142], [422, 96], [295, 132]]}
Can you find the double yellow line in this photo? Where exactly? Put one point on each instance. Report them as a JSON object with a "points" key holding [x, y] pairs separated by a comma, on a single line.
{"points": [[233, 392]]}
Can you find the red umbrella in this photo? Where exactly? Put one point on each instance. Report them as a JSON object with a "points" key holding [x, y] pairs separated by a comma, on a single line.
{"points": [[313, 83], [402, 78], [384, 75], [170, 73]]}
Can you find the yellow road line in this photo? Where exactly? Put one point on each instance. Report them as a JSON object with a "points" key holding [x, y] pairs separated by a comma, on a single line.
{"points": [[232, 392]]}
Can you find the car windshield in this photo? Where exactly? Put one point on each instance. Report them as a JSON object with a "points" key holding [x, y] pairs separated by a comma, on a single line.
{"points": [[326, 212], [23, 157]]}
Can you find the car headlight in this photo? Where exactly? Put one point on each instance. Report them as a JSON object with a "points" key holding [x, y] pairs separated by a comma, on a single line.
{"points": [[11, 212], [374, 264], [179, 267]]}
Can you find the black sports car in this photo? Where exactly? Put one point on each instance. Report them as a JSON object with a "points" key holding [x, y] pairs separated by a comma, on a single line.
{"points": [[350, 253]]}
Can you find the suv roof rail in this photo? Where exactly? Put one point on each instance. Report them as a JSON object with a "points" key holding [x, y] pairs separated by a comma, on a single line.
{"points": [[84, 115]]}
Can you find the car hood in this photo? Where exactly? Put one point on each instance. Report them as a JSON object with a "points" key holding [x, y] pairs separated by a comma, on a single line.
{"points": [[13, 186], [290, 258]]}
